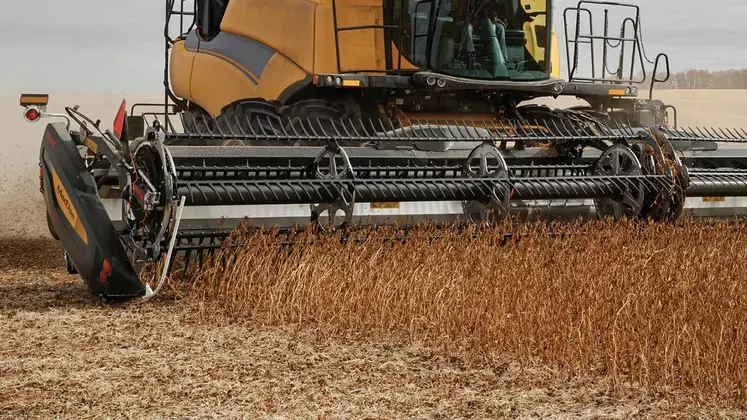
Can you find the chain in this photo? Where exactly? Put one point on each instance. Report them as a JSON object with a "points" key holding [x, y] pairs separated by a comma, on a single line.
{"points": [[612, 45], [640, 40]]}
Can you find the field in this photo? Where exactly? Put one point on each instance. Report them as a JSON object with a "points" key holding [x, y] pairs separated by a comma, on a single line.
{"points": [[606, 324]]}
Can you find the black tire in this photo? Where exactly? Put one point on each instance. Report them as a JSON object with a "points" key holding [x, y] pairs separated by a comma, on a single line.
{"points": [[251, 118], [323, 118], [194, 121]]}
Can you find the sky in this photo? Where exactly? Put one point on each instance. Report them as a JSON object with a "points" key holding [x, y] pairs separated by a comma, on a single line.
{"points": [[109, 46]]}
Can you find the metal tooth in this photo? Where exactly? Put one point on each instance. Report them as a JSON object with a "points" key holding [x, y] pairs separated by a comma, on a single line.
{"points": [[371, 130], [711, 134]]}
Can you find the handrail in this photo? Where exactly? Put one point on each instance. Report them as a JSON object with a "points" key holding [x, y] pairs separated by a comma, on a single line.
{"points": [[654, 78], [608, 41]]}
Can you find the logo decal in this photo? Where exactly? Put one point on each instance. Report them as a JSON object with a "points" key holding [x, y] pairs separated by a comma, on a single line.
{"points": [[63, 199], [92, 146]]}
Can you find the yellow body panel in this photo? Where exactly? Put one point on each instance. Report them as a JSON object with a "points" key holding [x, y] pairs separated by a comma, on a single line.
{"points": [[235, 80], [287, 26], [212, 96], [180, 70], [400, 62], [530, 30], [555, 62], [359, 49], [325, 60], [278, 75]]}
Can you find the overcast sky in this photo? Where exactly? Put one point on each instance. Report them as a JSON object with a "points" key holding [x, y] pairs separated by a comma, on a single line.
{"points": [[117, 46]]}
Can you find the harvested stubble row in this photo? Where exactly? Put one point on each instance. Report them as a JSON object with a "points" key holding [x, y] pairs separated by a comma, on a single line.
{"points": [[661, 306]]}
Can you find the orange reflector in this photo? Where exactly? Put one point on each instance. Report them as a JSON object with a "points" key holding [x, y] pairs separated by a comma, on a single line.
{"points": [[617, 92], [351, 83], [34, 99]]}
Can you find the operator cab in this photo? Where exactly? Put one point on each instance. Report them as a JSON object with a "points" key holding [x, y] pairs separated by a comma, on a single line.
{"points": [[476, 39]]}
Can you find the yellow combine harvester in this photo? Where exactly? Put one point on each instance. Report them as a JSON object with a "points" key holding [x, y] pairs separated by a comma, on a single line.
{"points": [[286, 50], [338, 112], [375, 59]]}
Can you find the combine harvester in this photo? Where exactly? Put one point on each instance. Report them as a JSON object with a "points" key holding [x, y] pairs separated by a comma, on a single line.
{"points": [[345, 112]]}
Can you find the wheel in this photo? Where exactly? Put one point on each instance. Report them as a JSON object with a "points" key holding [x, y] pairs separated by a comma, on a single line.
{"points": [[146, 206], [658, 158], [486, 161], [333, 164], [194, 121], [619, 160], [255, 119], [321, 119]]}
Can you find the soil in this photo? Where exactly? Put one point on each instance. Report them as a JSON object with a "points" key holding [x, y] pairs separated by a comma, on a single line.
{"points": [[65, 354]]}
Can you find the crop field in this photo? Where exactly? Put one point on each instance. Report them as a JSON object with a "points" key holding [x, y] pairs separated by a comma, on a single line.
{"points": [[623, 320], [658, 304]]}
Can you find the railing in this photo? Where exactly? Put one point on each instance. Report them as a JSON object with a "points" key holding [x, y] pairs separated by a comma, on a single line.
{"points": [[186, 11], [655, 78], [626, 44]]}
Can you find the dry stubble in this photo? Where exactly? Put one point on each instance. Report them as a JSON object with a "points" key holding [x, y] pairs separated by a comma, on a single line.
{"points": [[653, 305]]}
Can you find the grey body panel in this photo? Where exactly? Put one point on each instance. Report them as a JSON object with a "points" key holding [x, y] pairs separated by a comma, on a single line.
{"points": [[250, 54]]}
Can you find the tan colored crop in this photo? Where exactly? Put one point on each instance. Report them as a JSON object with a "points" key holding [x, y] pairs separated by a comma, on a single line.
{"points": [[660, 305]]}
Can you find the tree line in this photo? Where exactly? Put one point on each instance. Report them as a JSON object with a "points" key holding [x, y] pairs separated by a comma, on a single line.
{"points": [[705, 79]]}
